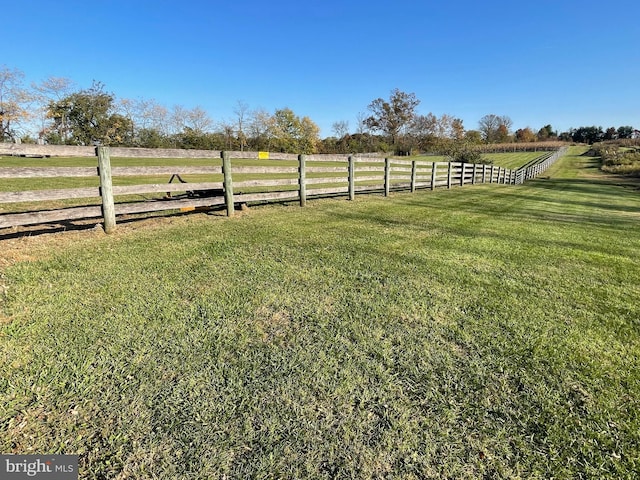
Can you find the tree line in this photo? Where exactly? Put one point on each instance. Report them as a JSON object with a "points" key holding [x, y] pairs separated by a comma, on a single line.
{"points": [[55, 111]]}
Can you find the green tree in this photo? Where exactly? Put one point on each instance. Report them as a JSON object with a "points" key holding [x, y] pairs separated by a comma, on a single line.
{"points": [[392, 116], [463, 151], [611, 133], [152, 138], [89, 115], [473, 137], [293, 134], [547, 133], [588, 135], [309, 136], [625, 132]]}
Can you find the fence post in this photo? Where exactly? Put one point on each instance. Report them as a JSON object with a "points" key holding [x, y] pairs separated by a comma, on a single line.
{"points": [[228, 183], [106, 189], [462, 174], [434, 167], [387, 176], [449, 176], [302, 180], [484, 173], [473, 178], [491, 175], [352, 178], [413, 176]]}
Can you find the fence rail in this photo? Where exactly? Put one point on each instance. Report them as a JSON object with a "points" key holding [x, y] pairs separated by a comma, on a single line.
{"points": [[228, 184]]}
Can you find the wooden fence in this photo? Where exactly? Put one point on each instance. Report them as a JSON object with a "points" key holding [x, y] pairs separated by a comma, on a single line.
{"points": [[539, 165], [230, 182]]}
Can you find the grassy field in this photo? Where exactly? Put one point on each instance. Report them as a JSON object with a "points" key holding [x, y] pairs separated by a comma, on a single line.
{"points": [[512, 160], [485, 332]]}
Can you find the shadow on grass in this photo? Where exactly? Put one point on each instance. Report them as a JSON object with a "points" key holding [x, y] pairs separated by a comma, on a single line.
{"points": [[510, 238], [91, 224], [593, 194]]}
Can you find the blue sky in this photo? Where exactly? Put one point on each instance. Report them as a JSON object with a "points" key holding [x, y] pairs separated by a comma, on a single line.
{"points": [[567, 63]]}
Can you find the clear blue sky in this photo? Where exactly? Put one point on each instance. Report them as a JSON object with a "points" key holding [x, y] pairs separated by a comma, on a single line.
{"points": [[567, 63]]}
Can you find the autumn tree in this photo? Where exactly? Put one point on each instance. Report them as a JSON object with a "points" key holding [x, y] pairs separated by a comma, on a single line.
{"points": [[392, 116], [525, 135], [423, 130], [457, 129], [429, 132]]}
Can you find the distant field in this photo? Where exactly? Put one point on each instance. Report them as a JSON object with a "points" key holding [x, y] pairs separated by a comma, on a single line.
{"points": [[486, 332], [512, 160]]}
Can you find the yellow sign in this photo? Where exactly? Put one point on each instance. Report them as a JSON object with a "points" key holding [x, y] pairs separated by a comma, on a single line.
{"points": [[263, 155]]}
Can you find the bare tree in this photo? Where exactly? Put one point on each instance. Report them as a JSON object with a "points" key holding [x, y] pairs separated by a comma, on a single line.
{"points": [[241, 112], [177, 119], [198, 120], [152, 115], [494, 127], [14, 103], [361, 123], [261, 129], [128, 109], [49, 91], [340, 128]]}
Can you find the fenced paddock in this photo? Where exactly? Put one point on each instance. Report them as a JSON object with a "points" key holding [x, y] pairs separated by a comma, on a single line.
{"points": [[217, 180]]}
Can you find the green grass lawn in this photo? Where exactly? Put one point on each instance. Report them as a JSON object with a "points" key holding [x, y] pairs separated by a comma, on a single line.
{"points": [[485, 332]]}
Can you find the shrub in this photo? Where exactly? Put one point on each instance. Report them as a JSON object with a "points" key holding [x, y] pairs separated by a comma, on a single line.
{"points": [[467, 155], [617, 159]]}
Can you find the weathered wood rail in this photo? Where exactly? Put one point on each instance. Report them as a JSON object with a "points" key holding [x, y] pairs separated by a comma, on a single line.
{"points": [[312, 176]]}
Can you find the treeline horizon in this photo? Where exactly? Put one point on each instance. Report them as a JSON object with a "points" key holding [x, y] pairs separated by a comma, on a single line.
{"points": [[55, 111]]}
